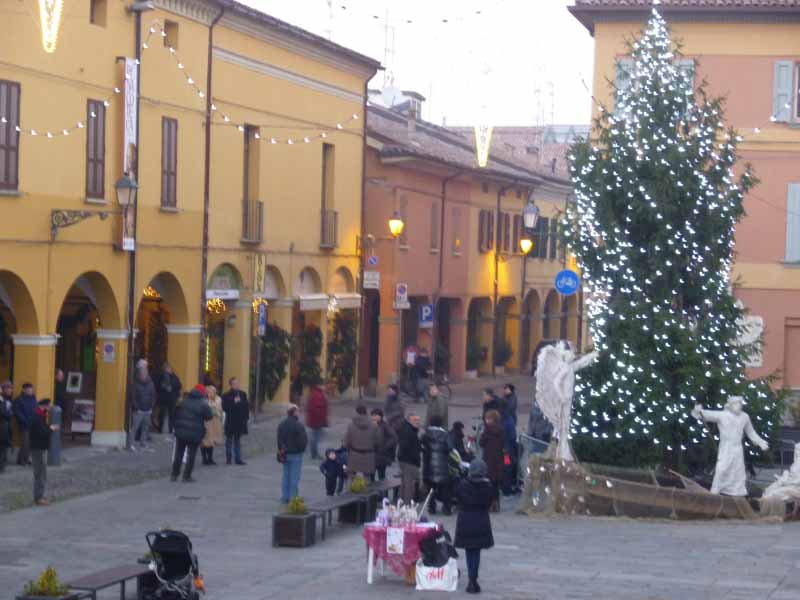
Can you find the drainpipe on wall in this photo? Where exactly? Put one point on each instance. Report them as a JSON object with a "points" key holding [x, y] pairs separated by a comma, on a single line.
{"points": [[360, 249], [497, 238], [132, 254], [437, 295], [206, 201]]}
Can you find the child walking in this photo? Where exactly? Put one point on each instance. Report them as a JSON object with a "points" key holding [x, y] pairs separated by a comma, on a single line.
{"points": [[333, 470]]}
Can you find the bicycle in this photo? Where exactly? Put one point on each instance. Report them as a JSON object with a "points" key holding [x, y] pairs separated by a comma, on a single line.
{"points": [[407, 387]]}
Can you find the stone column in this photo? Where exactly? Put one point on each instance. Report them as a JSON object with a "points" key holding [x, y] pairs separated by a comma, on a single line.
{"points": [[238, 338], [183, 348], [458, 348], [389, 349], [109, 402], [35, 362], [280, 313]]}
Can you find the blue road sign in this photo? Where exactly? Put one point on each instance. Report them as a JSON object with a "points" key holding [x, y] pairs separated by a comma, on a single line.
{"points": [[426, 316], [372, 261], [262, 319], [567, 282]]}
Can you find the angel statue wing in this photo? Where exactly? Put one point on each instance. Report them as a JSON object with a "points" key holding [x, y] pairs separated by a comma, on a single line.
{"points": [[549, 366]]}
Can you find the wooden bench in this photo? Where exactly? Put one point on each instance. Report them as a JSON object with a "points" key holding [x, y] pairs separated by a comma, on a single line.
{"points": [[325, 507], [383, 488], [107, 578]]}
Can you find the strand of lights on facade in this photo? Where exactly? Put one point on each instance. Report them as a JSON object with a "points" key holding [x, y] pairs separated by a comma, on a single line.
{"points": [[348, 8], [618, 278], [50, 12], [157, 28]]}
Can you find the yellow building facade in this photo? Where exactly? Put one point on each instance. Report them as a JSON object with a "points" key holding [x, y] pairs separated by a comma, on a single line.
{"points": [[249, 170]]}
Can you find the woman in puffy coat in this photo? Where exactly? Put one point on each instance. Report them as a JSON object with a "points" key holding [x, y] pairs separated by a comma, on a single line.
{"points": [[493, 441], [213, 436], [474, 527], [436, 447]]}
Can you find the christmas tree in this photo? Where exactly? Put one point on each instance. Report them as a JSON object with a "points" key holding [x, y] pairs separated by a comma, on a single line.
{"points": [[657, 201]]}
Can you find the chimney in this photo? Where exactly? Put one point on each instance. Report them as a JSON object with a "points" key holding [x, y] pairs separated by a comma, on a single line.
{"points": [[412, 118]]}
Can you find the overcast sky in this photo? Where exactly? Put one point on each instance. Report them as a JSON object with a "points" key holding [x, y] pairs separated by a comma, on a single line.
{"points": [[498, 58]]}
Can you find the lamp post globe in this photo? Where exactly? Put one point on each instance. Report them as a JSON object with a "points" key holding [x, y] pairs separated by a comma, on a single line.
{"points": [[396, 224], [530, 215], [126, 187], [526, 245]]}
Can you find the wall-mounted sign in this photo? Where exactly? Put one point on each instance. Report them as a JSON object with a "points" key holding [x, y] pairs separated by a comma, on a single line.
{"points": [[372, 280], [372, 261], [262, 319], [426, 316], [259, 273], [223, 294], [567, 282], [401, 297], [109, 352]]}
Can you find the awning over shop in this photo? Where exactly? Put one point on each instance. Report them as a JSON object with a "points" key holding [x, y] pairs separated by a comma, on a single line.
{"points": [[313, 301], [347, 300]]}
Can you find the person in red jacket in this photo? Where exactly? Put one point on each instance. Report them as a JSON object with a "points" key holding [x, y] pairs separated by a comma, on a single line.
{"points": [[316, 417]]}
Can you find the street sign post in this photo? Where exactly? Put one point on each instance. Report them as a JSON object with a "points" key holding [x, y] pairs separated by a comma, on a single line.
{"points": [[372, 280], [401, 297]]}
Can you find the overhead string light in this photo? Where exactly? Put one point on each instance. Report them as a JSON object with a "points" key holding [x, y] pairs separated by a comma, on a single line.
{"points": [[320, 133], [157, 29], [348, 8]]}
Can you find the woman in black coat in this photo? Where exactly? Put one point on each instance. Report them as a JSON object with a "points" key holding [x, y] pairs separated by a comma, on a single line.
{"points": [[473, 527], [493, 441], [436, 464]]}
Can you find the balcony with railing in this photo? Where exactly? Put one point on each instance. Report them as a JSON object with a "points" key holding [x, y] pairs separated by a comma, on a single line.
{"points": [[329, 233], [252, 222]]}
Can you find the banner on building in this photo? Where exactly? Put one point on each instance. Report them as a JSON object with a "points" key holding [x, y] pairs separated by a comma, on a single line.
{"points": [[130, 114], [259, 273]]}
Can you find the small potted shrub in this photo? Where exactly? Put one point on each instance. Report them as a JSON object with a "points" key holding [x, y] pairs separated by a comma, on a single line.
{"points": [[47, 587], [296, 527], [502, 354], [360, 512], [474, 357]]}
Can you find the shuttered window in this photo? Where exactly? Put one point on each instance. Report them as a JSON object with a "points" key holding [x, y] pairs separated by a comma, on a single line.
{"points": [[95, 149], [482, 231], [793, 223], [435, 226], [553, 238], [506, 234], [169, 162], [544, 241], [490, 230], [622, 80], [9, 136], [517, 228], [782, 90], [486, 231], [456, 231]]}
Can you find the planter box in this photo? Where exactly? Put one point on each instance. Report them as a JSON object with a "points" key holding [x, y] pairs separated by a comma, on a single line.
{"points": [[296, 531], [471, 374]]}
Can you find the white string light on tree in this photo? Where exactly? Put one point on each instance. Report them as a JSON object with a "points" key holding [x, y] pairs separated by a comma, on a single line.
{"points": [[657, 201]]}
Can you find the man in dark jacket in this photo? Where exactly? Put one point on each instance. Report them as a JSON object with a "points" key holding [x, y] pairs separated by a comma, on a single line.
{"points": [[237, 414], [509, 402], [144, 400], [409, 450], [436, 466], [292, 443], [421, 372], [24, 407], [168, 389], [6, 413], [539, 427], [190, 418], [386, 453], [490, 401], [394, 413], [40, 429]]}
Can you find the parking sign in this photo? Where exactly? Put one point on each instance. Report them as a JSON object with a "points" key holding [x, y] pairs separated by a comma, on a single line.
{"points": [[426, 316]]}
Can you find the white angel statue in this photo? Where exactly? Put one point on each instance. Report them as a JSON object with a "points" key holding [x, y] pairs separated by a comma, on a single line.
{"points": [[555, 384], [787, 485], [733, 423]]}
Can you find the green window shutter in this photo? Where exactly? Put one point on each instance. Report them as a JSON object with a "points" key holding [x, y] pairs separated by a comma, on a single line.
{"points": [[782, 90], [622, 79], [793, 223]]}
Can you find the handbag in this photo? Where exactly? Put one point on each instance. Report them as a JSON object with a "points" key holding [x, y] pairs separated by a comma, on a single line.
{"points": [[281, 455]]}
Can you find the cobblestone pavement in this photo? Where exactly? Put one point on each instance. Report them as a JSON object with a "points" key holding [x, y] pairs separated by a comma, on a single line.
{"points": [[227, 514]]}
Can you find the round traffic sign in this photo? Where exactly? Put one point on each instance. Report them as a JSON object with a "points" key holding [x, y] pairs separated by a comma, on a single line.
{"points": [[567, 282]]}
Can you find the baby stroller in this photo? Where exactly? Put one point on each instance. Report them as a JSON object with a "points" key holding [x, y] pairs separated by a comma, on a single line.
{"points": [[175, 566]]}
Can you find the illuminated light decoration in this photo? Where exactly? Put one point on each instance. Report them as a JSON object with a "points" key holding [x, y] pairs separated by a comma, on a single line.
{"points": [[258, 302], [150, 292], [483, 142], [670, 173], [216, 306], [50, 12]]}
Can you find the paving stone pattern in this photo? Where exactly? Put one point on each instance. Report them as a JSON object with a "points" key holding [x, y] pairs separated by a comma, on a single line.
{"points": [[227, 514]]}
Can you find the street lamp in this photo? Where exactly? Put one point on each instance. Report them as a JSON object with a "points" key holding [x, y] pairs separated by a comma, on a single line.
{"points": [[126, 190], [530, 215], [396, 224], [526, 244]]}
